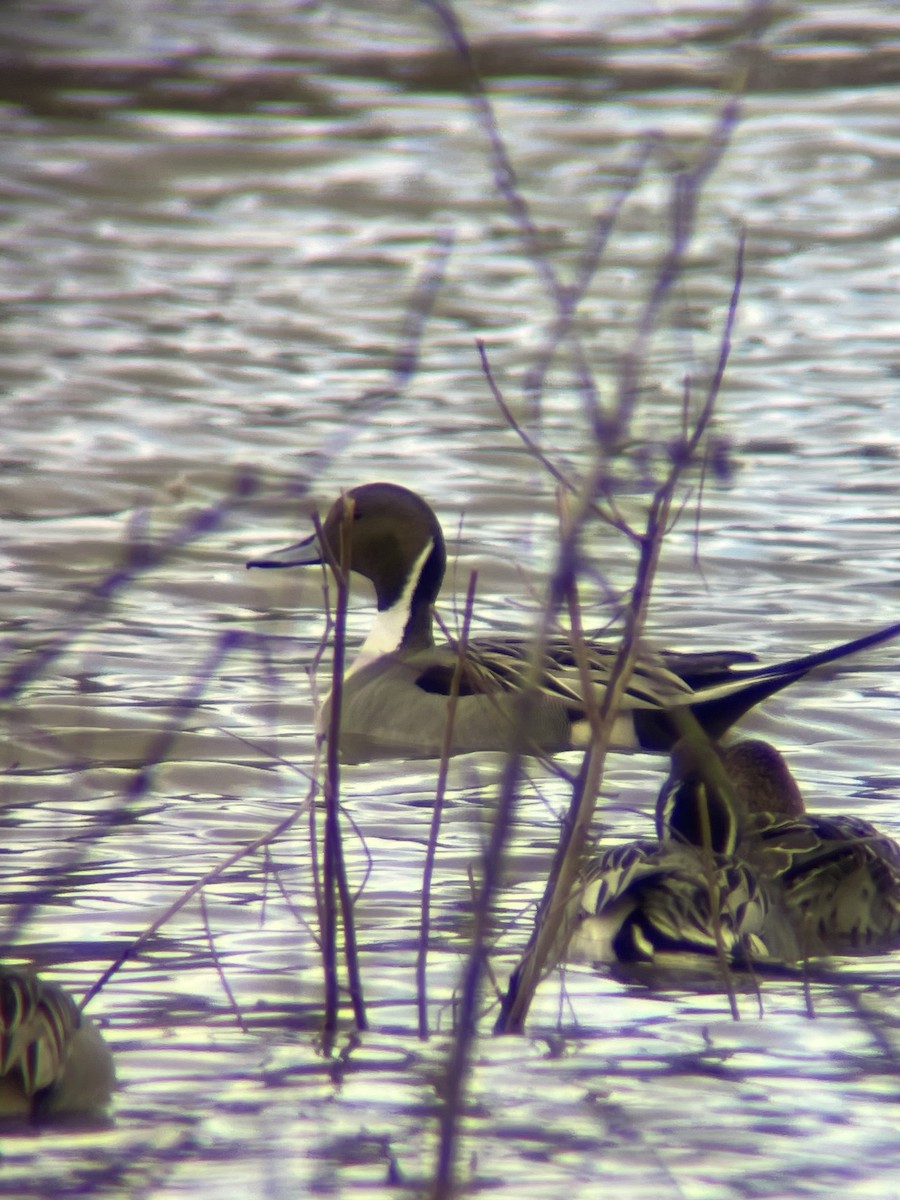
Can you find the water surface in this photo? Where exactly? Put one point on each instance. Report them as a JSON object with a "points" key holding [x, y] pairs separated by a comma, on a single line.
{"points": [[217, 223]]}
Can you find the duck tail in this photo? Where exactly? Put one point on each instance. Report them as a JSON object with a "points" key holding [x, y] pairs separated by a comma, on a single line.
{"points": [[796, 668], [718, 711], [721, 702]]}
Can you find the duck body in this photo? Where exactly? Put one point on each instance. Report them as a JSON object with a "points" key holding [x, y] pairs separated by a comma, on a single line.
{"points": [[649, 904], [838, 876], [397, 704], [53, 1060], [397, 692]]}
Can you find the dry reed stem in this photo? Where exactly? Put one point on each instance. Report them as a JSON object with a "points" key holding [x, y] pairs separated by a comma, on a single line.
{"points": [[544, 949], [440, 791], [608, 430], [334, 874], [212, 876]]}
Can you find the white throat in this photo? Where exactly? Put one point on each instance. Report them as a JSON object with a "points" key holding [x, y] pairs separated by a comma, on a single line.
{"points": [[389, 626]]}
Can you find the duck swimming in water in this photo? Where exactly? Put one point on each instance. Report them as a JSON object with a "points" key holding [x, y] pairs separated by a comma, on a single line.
{"points": [[396, 695], [839, 876]]}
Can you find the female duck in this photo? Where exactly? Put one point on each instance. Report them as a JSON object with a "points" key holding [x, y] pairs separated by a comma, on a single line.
{"points": [[659, 902], [838, 875], [53, 1061]]}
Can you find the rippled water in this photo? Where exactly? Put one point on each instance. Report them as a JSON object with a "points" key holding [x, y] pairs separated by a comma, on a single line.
{"points": [[217, 218]]}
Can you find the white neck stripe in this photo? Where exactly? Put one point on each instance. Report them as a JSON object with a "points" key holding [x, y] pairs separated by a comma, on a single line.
{"points": [[389, 626]]}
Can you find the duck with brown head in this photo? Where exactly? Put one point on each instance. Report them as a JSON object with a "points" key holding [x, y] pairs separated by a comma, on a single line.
{"points": [[396, 697], [839, 875]]}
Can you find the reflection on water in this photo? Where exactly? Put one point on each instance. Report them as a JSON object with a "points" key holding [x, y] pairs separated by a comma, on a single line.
{"points": [[216, 224]]}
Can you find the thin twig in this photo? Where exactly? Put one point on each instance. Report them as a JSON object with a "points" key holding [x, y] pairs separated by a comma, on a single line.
{"points": [[459, 671], [211, 876], [549, 930], [217, 963], [335, 882]]}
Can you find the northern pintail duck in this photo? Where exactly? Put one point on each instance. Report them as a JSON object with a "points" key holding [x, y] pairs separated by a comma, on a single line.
{"points": [[53, 1060], [396, 694], [838, 875], [658, 902]]}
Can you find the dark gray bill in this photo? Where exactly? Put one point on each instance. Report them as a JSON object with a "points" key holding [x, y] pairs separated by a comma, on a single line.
{"points": [[302, 554]]}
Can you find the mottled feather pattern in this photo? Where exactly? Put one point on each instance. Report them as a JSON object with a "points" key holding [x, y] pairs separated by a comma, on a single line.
{"points": [[672, 899], [683, 908], [839, 874], [505, 664], [610, 874], [36, 1022]]}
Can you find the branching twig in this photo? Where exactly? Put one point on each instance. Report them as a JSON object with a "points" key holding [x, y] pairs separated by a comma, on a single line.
{"points": [[549, 934], [211, 876]]}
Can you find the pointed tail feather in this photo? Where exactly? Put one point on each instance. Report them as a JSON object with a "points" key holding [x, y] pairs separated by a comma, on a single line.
{"points": [[721, 703], [657, 730], [796, 668], [718, 714]]}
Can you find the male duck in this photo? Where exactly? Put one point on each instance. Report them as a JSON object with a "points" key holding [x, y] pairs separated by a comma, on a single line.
{"points": [[396, 692], [838, 876], [53, 1061]]}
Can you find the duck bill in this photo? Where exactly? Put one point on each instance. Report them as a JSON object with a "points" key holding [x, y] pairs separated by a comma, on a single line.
{"points": [[307, 553]]}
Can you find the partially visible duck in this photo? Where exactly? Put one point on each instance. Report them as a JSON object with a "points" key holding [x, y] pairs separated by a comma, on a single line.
{"points": [[53, 1061], [396, 696], [643, 903], [839, 876]]}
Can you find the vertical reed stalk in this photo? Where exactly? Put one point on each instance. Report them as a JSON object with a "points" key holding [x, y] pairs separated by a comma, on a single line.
{"points": [[440, 791], [453, 1083], [334, 874], [610, 429], [707, 858]]}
